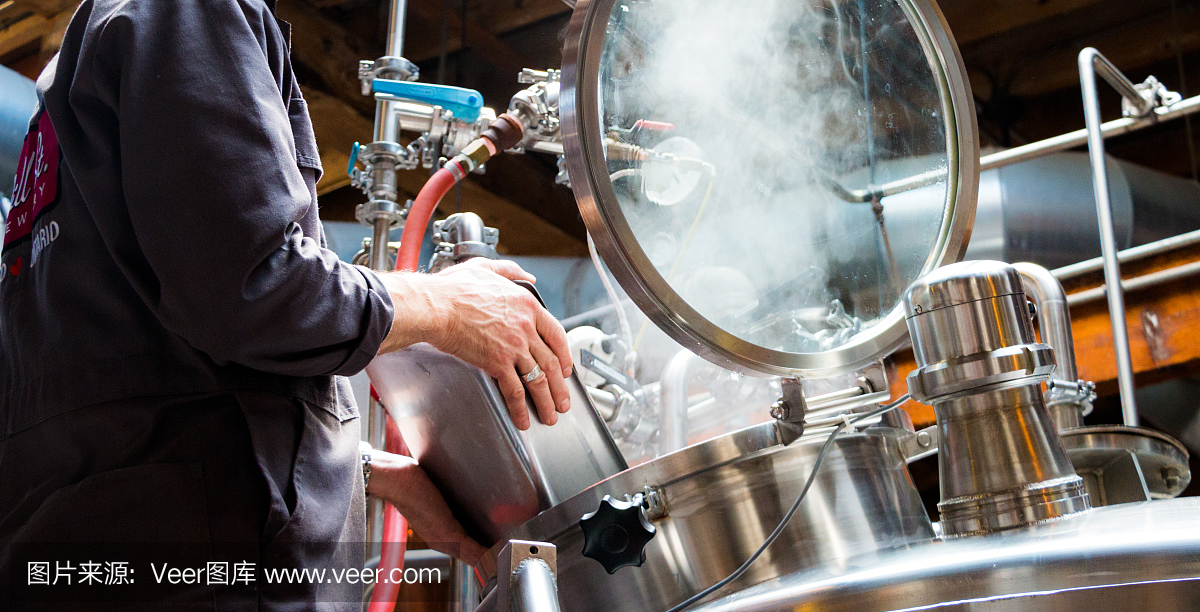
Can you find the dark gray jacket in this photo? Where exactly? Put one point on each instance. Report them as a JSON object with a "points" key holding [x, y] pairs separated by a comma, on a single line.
{"points": [[176, 246], [165, 242]]}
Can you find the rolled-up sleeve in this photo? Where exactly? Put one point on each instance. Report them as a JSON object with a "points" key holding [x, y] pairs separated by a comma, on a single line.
{"points": [[216, 199]]}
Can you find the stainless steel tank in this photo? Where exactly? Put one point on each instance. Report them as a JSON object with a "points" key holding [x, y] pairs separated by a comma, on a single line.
{"points": [[1129, 557], [710, 505]]}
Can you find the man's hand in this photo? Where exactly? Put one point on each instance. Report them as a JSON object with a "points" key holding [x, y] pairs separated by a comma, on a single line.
{"points": [[475, 312], [400, 481]]}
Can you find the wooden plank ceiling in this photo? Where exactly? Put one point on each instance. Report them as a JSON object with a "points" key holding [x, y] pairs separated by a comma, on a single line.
{"points": [[1020, 55]]}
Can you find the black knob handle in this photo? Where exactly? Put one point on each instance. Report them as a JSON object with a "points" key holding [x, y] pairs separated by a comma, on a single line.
{"points": [[616, 534]]}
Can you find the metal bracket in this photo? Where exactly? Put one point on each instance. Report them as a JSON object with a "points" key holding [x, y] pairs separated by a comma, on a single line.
{"points": [[789, 411], [1155, 95], [527, 577], [608, 372], [652, 500], [920, 444]]}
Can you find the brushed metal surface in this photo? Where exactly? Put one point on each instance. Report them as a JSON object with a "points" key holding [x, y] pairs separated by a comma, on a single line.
{"points": [[722, 498], [1128, 558], [494, 477], [1001, 464]]}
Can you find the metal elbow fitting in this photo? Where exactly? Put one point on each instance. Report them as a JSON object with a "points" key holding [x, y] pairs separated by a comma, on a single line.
{"points": [[1067, 398], [1001, 463]]}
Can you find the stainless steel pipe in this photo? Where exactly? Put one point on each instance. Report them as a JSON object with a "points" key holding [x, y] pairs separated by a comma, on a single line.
{"points": [[1054, 322], [1001, 463], [674, 424], [535, 588], [464, 588], [384, 184], [1091, 63]]}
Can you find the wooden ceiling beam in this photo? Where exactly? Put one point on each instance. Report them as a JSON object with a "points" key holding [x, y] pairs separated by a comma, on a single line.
{"points": [[23, 32], [486, 45], [972, 20], [328, 50], [1138, 44]]}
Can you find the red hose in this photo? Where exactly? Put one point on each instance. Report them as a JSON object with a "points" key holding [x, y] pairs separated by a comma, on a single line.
{"points": [[395, 528], [395, 538], [418, 218]]}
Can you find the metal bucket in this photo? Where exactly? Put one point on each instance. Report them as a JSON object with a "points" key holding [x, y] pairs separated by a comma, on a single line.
{"points": [[494, 477]]}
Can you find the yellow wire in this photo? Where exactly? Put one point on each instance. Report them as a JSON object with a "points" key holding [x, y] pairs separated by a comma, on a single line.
{"points": [[678, 258]]}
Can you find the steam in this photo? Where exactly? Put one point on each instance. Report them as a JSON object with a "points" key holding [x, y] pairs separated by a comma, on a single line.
{"points": [[771, 93]]}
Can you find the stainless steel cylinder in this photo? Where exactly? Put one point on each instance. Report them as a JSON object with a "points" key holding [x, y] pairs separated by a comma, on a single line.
{"points": [[1001, 462]]}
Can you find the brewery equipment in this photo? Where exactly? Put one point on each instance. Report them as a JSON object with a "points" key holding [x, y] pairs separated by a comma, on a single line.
{"points": [[784, 189]]}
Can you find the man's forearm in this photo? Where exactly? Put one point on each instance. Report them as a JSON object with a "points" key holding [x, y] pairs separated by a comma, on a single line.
{"points": [[419, 317]]}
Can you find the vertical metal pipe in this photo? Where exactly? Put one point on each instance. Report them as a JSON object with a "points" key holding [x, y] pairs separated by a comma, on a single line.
{"points": [[1054, 317], [395, 39], [1089, 60], [1054, 322], [379, 245], [464, 589], [535, 587], [386, 130], [674, 419]]}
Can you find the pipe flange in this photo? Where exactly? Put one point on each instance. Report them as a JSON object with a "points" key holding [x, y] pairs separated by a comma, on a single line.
{"points": [[381, 151], [1007, 367], [369, 212]]}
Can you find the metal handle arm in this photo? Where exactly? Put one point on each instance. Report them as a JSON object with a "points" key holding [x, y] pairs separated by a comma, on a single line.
{"points": [[1091, 63]]}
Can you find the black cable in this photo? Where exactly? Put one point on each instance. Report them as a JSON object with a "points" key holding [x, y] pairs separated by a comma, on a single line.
{"points": [[737, 573]]}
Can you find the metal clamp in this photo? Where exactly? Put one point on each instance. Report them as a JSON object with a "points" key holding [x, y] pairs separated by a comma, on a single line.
{"points": [[1001, 368], [374, 210], [396, 68], [537, 107], [1155, 95], [1078, 392]]}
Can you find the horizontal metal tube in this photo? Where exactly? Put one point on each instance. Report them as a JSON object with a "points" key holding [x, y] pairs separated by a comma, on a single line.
{"points": [[1027, 152], [1131, 254], [1138, 283], [1074, 139], [545, 146], [605, 403], [413, 117]]}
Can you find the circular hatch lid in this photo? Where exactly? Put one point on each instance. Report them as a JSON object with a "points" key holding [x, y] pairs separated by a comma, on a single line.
{"points": [[765, 177]]}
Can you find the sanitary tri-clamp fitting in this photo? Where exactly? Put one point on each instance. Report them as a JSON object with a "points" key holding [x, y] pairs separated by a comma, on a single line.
{"points": [[1001, 462]]}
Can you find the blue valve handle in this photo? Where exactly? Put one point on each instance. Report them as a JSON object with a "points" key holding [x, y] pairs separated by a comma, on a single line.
{"points": [[464, 103], [353, 159]]}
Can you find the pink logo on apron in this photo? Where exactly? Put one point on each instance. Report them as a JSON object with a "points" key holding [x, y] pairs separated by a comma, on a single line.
{"points": [[36, 184]]}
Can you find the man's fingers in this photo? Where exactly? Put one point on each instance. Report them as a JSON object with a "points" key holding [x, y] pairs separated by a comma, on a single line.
{"points": [[550, 368], [507, 269], [539, 391], [514, 396], [555, 337]]}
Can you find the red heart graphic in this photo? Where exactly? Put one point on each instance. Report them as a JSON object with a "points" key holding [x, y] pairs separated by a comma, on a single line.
{"points": [[16, 268]]}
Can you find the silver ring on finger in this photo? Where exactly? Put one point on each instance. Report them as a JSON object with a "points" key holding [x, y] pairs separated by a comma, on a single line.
{"points": [[533, 374]]}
